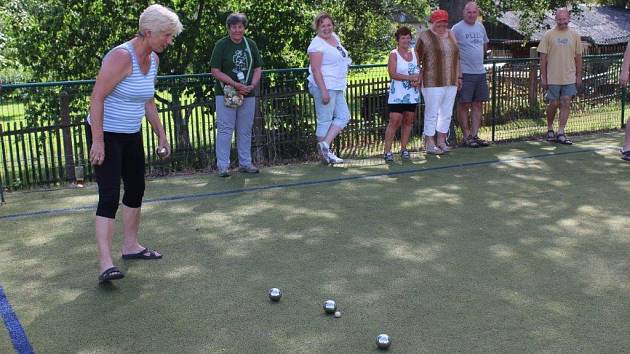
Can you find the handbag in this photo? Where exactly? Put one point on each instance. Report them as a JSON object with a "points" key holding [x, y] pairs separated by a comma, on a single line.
{"points": [[231, 97]]}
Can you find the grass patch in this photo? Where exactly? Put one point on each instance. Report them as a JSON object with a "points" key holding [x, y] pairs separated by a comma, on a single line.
{"points": [[528, 255]]}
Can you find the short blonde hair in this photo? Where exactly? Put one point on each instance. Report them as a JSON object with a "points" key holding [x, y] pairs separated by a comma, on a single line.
{"points": [[158, 18], [320, 18]]}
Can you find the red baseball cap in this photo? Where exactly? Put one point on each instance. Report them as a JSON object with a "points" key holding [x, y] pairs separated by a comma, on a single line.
{"points": [[439, 16]]}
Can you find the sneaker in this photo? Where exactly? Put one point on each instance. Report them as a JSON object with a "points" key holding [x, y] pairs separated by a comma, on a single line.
{"points": [[333, 159], [388, 157], [323, 149], [224, 173], [480, 142], [405, 155], [248, 169]]}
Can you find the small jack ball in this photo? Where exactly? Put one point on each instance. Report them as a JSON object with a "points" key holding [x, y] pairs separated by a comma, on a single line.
{"points": [[337, 314], [330, 306], [275, 294], [383, 341]]}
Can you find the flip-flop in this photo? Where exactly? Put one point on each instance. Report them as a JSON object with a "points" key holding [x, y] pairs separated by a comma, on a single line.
{"points": [[112, 273], [144, 254]]}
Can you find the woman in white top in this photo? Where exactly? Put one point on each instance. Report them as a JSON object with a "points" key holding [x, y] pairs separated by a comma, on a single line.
{"points": [[329, 62], [404, 93]]}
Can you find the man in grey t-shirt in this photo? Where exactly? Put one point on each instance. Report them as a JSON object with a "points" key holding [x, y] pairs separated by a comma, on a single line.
{"points": [[473, 42]]}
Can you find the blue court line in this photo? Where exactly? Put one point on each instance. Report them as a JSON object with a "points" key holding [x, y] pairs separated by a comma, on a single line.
{"points": [[311, 183], [16, 332]]}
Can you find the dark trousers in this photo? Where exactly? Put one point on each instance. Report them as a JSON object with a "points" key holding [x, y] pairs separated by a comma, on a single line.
{"points": [[124, 158]]}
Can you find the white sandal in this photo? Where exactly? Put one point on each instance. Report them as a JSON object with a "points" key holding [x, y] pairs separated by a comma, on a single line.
{"points": [[434, 150], [445, 148]]}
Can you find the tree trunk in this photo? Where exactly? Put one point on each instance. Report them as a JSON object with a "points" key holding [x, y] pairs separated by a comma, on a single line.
{"points": [[455, 10], [181, 123]]}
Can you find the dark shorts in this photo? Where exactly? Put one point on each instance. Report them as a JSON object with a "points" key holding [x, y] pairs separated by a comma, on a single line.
{"points": [[554, 92], [474, 88], [402, 107]]}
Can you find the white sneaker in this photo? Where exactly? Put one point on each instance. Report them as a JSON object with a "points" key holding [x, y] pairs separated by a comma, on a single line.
{"points": [[333, 159], [323, 149]]}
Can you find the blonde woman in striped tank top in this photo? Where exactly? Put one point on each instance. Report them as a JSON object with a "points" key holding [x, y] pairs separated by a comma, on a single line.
{"points": [[438, 54], [122, 96]]}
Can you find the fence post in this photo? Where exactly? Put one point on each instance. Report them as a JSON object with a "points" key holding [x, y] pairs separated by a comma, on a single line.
{"points": [[1, 180], [533, 79], [494, 99], [623, 106], [64, 101], [1, 189], [258, 132]]}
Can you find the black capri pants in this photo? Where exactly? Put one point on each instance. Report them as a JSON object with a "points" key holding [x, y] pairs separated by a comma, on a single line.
{"points": [[124, 158]]}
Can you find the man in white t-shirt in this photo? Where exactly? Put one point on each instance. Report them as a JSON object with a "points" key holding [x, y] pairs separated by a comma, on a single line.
{"points": [[473, 42]]}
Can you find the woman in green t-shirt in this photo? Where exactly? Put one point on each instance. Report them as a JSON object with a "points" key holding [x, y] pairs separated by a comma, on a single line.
{"points": [[237, 67]]}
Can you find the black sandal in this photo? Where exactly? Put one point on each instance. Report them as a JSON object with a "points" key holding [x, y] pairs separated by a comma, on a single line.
{"points": [[551, 136], [625, 155], [562, 139], [112, 273], [144, 254]]}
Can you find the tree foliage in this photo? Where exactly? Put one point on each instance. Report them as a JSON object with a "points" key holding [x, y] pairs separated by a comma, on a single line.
{"points": [[67, 39]]}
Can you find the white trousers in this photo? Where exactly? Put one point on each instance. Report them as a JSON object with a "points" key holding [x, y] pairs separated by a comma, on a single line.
{"points": [[438, 108]]}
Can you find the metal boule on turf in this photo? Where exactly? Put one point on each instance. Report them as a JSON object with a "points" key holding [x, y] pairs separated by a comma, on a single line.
{"points": [[161, 152], [383, 341], [275, 294], [330, 306]]}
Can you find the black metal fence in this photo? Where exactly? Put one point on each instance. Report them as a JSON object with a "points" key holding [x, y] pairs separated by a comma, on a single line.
{"points": [[42, 135]]}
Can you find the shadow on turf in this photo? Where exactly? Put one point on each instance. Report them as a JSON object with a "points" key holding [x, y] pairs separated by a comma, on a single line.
{"points": [[521, 257]]}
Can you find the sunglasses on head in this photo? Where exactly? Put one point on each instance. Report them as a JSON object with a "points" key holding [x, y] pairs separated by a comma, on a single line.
{"points": [[343, 54]]}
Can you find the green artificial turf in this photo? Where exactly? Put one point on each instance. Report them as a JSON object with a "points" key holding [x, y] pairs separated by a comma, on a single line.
{"points": [[527, 255]]}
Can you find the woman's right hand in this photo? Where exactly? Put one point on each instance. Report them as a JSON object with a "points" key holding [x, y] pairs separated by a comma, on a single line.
{"points": [[97, 153], [325, 97]]}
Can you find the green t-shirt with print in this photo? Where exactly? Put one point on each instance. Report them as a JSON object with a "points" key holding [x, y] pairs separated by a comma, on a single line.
{"points": [[232, 58]]}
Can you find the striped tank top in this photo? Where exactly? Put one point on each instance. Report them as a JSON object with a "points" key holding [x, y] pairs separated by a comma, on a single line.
{"points": [[124, 106]]}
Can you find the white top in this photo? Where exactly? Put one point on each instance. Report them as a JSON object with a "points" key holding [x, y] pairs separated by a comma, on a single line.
{"points": [[335, 63], [402, 92]]}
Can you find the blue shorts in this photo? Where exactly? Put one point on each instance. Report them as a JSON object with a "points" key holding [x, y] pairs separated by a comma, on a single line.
{"points": [[554, 92]]}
